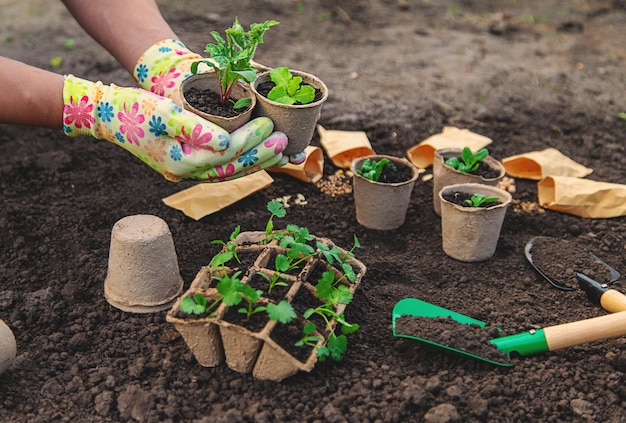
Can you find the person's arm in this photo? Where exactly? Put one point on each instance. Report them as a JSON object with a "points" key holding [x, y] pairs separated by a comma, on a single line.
{"points": [[125, 28], [30, 96]]}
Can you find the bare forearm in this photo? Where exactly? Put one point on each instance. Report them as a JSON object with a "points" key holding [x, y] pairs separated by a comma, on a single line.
{"points": [[30, 96], [126, 28]]}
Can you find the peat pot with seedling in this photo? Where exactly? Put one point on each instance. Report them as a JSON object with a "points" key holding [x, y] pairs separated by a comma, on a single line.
{"points": [[471, 218], [222, 95], [382, 187], [458, 166], [278, 315], [293, 100]]}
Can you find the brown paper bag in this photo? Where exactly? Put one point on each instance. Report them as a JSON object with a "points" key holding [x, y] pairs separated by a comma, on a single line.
{"points": [[539, 164], [582, 197], [310, 171], [344, 146], [422, 155], [205, 198]]}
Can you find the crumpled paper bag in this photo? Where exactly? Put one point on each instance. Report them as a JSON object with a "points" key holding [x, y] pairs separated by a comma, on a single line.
{"points": [[206, 198], [344, 146], [582, 197], [310, 171], [539, 164], [422, 155]]}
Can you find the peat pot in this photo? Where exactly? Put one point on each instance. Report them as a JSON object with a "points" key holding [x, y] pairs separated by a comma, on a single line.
{"points": [[471, 233], [444, 175], [297, 121], [8, 347], [209, 80], [213, 340], [382, 205], [143, 274]]}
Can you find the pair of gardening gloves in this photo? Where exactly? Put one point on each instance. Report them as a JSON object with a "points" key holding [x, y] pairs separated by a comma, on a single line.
{"points": [[150, 123]]}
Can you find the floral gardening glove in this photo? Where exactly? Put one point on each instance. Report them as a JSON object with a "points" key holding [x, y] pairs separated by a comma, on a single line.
{"points": [[176, 143], [163, 67]]}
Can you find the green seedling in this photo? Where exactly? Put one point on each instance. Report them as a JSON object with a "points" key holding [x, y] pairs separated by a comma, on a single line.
{"points": [[230, 250], [56, 62], [68, 44], [282, 312], [622, 116], [469, 162], [334, 255], [228, 289], [194, 305], [478, 200], [289, 88], [251, 296], [336, 345], [274, 281], [231, 58], [372, 169], [276, 209]]}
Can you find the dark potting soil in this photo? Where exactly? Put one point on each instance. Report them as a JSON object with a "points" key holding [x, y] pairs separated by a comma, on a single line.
{"points": [[484, 170], [560, 259], [287, 335], [208, 101], [396, 174], [446, 331], [460, 198], [255, 323], [265, 87], [525, 85], [278, 291]]}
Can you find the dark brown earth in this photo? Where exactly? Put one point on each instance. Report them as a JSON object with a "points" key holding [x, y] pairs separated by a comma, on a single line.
{"points": [[529, 75]]}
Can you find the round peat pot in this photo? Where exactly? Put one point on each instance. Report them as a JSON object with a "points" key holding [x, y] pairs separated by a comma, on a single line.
{"points": [[382, 205], [143, 274], [297, 121], [8, 347], [471, 233], [209, 81], [444, 175]]}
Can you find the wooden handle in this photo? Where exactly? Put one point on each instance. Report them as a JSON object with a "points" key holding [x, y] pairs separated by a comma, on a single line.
{"points": [[613, 301], [583, 331]]}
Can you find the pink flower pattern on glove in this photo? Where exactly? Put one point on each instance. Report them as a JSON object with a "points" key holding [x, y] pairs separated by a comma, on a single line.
{"points": [[175, 142], [131, 123], [78, 114]]}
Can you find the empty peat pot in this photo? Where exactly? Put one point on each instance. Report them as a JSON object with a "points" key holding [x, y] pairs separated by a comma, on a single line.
{"points": [[143, 274], [8, 347]]}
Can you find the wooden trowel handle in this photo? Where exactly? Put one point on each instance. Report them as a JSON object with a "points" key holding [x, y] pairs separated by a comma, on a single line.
{"points": [[613, 301], [588, 330]]}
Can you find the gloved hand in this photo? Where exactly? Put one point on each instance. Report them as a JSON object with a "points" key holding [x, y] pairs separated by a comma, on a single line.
{"points": [[176, 143], [164, 66]]}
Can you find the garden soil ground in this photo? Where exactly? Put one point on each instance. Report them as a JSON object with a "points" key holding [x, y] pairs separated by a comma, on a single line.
{"points": [[529, 75]]}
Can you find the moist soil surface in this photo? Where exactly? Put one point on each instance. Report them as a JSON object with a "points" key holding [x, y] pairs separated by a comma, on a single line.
{"points": [[529, 75]]}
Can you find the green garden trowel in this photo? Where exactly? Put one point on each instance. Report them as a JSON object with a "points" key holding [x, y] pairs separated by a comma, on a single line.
{"points": [[534, 341]]}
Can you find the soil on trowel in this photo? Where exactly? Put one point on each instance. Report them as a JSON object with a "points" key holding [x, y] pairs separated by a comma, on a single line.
{"points": [[469, 338]]}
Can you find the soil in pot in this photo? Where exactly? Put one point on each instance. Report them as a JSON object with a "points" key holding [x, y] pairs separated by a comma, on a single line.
{"points": [[278, 292], [304, 300], [255, 323], [459, 197], [209, 102], [286, 336], [484, 170], [561, 264], [265, 87], [391, 176], [447, 331]]}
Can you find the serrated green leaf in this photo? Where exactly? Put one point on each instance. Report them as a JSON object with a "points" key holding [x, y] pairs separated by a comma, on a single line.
{"points": [[309, 328], [348, 329], [337, 345], [282, 312]]}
